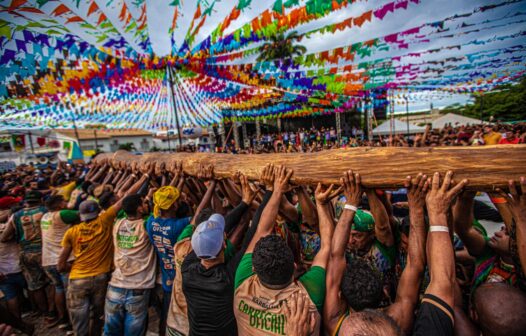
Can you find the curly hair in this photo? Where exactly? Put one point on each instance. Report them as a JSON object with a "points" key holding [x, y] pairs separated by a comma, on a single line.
{"points": [[131, 203], [273, 261], [203, 215], [362, 285]]}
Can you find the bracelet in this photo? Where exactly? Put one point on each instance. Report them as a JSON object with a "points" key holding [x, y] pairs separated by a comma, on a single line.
{"points": [[438, 228], [350, 207], [148, 176]]}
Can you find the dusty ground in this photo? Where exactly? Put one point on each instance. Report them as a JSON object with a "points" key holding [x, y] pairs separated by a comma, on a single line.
{"points": [[42, 330]]}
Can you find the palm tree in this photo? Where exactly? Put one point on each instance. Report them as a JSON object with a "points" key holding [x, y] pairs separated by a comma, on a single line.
{"points": [[129, 146], [280, 47]]}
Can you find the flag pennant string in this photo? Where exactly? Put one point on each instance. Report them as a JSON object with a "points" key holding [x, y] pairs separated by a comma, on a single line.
{"points": [[138, 63]]}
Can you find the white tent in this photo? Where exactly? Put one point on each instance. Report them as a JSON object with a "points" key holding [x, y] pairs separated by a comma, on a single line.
{"points": [[454, 120], [400, 127]]}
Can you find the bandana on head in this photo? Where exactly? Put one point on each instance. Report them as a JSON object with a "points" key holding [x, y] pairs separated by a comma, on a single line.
{"points": [[363, 221], [164, 198]]}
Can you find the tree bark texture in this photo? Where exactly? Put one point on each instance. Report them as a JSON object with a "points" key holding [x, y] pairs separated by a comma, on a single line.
{"points": [[486, 167]]}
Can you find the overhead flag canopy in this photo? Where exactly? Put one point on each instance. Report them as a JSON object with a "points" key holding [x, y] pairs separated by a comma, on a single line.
{"points": [[138, 63]]}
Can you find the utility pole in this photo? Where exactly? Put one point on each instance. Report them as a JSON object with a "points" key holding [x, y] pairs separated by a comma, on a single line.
{"points": [[96, 141], [407, 113], [73, 119], [175, 109], [481, 108], [31, 143]]}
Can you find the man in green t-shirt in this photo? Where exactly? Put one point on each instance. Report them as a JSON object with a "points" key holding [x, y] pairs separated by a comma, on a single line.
{"points": [[264, 280]]}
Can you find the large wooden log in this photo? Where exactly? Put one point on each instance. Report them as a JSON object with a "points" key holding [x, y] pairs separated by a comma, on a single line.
{"points": [[486, 167]]}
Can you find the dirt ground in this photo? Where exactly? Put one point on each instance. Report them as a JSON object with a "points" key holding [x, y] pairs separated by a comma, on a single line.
{"points": [[42, 330]]}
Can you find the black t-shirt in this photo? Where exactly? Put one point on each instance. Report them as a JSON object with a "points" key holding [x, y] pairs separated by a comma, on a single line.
{"points": [[209, 295], [435, 318], [209, 292]]}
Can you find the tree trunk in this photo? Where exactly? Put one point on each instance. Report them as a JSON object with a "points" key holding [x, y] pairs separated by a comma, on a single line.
{"points": [[486, 167]]}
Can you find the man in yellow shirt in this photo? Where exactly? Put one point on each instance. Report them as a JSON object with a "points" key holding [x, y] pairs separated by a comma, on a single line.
{"points": [[91, 244], [490, 136]]}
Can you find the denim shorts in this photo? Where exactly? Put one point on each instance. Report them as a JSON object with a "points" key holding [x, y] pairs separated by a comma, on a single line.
{"points": [[31, 264], [12, 285], [57, 279]]}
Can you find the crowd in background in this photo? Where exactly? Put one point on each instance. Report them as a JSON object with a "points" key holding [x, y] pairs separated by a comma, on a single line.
{"points": [[92, 247], [313, 139]]}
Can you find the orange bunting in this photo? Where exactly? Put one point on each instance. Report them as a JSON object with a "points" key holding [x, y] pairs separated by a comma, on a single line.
{"points": [[124, 11], [92, 8], [75, 19], [16, 3], [102, 17], [61, 9], [30, 10], [197, 12]]}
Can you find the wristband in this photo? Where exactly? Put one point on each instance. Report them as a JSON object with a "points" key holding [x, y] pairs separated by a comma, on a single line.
{"points": [[350, 207], [148, 176], [438, 228]]}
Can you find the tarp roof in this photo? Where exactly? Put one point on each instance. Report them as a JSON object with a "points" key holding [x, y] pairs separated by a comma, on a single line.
{"points": [[400, 127], [454, 120]]}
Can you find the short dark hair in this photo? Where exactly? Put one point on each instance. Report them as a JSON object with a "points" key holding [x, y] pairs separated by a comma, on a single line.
{"points": [[273, 261], [203, 215], [130, 204], [362, 285], [53, 201], [373, 322]]}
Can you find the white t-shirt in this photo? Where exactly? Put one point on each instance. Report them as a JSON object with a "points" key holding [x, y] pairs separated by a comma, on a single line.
{"points": [[134, 256], [53, 230], [9, 255]]}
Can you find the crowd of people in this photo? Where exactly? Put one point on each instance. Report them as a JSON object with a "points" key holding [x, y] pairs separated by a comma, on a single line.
{"points": [[95, 248], [314, 139]]}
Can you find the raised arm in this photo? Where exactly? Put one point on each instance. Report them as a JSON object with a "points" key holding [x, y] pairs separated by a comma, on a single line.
{"points": [[326, 225], [402, 311], [382, 225], [463, 223], [9, 231], [268, 217], [308, 208], [334, 305], [205, 201], [233, 218], [517, 201], [440, 253]]}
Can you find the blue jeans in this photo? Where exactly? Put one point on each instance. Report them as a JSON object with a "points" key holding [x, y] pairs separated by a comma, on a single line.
{"points": [[12, 286], [126, 311]]}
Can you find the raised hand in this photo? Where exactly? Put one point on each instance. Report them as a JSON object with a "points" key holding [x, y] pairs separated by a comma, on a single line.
{"points": [[267, 176], [248, 194], [352, 188], [145, 167], [440, 197], [207, 172], [300, 321], [516, 199], [324, 197], [416, 190], [282, 178], [160, 168]]}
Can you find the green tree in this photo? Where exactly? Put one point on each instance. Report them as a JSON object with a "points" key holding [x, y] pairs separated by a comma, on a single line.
{"points": [[130, 147], [506, 103], [281, 46]]}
